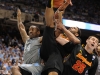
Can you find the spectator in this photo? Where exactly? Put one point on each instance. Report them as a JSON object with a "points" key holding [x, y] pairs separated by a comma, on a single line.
{"points": [[98, 53]]}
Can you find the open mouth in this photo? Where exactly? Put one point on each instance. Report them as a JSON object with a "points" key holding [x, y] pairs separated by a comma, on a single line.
{"points": [[92, 45]]}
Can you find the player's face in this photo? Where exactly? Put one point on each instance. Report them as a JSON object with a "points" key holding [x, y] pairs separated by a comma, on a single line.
{"points": [[92, 42], [73, 30], [33, 32], [98, 49]]}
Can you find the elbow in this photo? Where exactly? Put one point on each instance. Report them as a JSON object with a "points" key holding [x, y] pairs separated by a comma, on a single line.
{"points": [[76, 41]]}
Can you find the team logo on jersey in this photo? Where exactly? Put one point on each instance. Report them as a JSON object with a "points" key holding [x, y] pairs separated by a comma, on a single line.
{"points": [[93, 57], [80, 65], [81, 51], [79, 55]]}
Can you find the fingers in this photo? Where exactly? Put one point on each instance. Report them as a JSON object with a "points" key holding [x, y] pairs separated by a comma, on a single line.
{"points": [[18, 13], [70, 3]]}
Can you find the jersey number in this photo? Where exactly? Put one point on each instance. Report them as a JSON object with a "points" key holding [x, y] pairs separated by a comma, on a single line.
{"points": [[79, 66]]}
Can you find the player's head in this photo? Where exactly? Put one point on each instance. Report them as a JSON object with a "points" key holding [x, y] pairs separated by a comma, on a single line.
{"points": [[92, 42], [34, 31], [75, 30]]}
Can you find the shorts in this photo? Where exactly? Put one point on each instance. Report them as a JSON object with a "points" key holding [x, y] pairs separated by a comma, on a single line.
{"points": [[25, 72], [54, 63], [31, 69], [50, 53]]}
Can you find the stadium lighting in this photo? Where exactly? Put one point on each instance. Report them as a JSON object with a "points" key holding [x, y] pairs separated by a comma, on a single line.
{"points": [[81, 25]]}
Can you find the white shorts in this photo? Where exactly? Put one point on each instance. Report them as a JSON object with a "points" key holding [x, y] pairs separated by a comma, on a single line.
{"points": [[35, 68]]}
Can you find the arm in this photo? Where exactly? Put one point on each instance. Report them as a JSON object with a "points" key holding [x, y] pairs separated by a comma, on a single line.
{"points": [[21, 27], [65, 5], [61, 40], [40, 39], [61, 9], [71, 36]]}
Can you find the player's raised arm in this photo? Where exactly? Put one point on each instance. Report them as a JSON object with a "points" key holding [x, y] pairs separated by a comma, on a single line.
{"points": [[21, 27]]}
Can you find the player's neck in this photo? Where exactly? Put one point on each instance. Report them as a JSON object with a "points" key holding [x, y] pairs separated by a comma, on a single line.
{"points": [[89, 50]]}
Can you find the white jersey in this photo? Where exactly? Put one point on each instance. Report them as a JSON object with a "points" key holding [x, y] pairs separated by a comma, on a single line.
{"points": [[32, 57], [31, 51]]}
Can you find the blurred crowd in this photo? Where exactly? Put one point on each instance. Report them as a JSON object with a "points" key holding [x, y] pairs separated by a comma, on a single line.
{"points": [[11, 50], [11, 45], [28, 6], [85, 11]]}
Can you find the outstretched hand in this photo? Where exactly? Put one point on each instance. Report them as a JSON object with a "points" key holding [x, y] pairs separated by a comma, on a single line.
{"points": [[59, 25], [62, 8], [70, 2], [20, 24], [18, 12], [18, 15], [64, 5]]}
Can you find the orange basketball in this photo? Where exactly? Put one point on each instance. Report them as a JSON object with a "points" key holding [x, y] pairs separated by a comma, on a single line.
{"points": [[57, 3]]}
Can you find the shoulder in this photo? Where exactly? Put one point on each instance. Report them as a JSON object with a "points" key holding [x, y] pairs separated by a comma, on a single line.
{"points": [[40, 39], [95, 59], [27, 40]]}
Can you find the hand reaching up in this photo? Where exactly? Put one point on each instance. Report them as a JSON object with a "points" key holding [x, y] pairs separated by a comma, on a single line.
{"points": [[60, 25], [18, 15]]}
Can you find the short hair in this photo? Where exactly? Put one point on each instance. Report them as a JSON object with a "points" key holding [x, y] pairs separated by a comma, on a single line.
{"points": [[94, 36], [36, 27], [79, 31]]}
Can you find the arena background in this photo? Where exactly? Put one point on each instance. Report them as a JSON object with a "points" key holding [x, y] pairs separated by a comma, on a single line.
{"points": [[86, 11]]}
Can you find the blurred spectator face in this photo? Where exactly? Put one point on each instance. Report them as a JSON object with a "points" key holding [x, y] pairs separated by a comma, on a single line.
{"points": [[16, 47], [14, 55], [10, 49], [9, 64], [98, 50], [33, 32], [4, 56], [1, 72], [4, 68], [0, 62], [0, 59], [8, 59]]}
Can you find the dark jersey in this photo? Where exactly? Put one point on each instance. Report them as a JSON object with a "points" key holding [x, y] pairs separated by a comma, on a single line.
{"points": [[66, 49], [80, 61], [49, 45]]}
